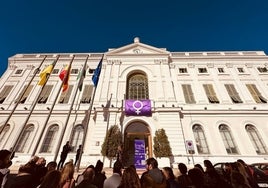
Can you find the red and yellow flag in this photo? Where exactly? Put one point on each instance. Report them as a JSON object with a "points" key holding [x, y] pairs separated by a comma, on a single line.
{"points": [[64, 76]]}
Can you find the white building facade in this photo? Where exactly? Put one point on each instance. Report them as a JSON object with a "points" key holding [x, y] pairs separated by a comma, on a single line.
{"points": [[215, 100]]}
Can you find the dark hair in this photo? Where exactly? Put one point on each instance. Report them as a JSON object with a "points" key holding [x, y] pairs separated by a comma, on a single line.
{"points": [[208, 164], [152, 161], [183, 168], [51, 179], [3, 155], [117, 167], [169, 172], [99, 166]]}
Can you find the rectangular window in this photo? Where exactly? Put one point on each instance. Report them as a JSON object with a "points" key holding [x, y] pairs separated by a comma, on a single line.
{"points": [[240, 70], [65, 96], [24, 93], [45, 94], [74, 71], [221, 70], [233, 93], [182, 70], [256, 94], [55, 71], [19, 71], [5, 92], [211, 95], [188, 93], [91, 71], [86, 97], [262, 69], [202, 70]]}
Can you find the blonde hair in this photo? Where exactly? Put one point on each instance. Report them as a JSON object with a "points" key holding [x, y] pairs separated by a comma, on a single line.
{"points": [[67, 173]]}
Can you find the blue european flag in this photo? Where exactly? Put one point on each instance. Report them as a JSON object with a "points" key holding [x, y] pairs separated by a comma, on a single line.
{"points": [[96, 75]]}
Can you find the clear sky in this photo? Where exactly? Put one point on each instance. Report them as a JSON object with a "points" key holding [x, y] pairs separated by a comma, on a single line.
{"points": [[45, 26]]}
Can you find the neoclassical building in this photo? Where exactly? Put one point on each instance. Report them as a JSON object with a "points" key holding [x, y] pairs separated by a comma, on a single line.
{"points": [[214, 103]]}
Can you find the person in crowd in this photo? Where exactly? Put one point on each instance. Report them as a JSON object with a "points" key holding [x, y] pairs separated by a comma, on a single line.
{"points": [[99, 175], [153, 177], [24, 178], [130, 179], [170, 177], [200, 167], [78, 152], [183, 180], [238, 181], [88, 179], [67, 176], [40, 170], [52, 165], [5, 163], [80, 177], [211, 177], [65, 150], [197, 177], [51, 179], [114, 180], [250, 174], [242, 170]]}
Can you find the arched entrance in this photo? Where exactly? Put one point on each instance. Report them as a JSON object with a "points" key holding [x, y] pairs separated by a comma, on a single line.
{"points": [[136, 131]]}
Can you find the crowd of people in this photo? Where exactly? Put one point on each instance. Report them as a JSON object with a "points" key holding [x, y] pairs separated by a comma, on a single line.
{"points": [[36, 173]]}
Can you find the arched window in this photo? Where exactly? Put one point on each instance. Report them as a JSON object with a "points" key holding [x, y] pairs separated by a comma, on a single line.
{"points": [[200, 139], [49, 140], [3, 135], [137, 86], [77, 137], [228, 140], [256, 139], [25, 139]]}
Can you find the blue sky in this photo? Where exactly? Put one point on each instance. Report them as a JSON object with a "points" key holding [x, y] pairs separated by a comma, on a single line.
{"points": [[36, 26]]}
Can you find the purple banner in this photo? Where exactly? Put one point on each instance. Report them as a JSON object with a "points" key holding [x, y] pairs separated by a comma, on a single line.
{"points": [[140, 154], [138, 108]]}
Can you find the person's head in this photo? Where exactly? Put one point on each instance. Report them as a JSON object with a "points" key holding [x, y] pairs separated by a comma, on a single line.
{"points": [[117, 168], [130, 178], [168, 173], [67, 172], [197, 176], [27, 168], [51, 179], [99, 166], [199, 166], [89, 174], [183, 168], [5, 161], [208, 164], [51, 166], [151, 163], [41, 161], [90, 167]]}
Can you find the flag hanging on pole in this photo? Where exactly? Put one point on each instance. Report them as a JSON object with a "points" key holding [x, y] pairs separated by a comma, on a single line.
{"points": [[81, 76], [44, 74], [96, 75], [64, 76]]}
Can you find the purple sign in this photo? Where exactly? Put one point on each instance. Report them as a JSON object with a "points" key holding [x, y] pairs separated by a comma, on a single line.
{"points": [[138, 108], [140, 154]]}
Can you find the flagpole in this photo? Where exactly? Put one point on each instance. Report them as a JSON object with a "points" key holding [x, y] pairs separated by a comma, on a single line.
{"points": [[70, 110], [89, 110], [31, 111], [18, 102], [64, 128]]}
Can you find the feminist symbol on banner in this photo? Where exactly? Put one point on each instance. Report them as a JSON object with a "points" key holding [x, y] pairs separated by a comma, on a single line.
{"points": [[138, 106]]}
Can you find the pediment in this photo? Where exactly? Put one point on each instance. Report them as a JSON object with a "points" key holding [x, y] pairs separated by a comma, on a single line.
{"points": [[137, 48]]}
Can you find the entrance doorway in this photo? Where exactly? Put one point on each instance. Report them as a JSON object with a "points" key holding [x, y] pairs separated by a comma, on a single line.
{"points": [[136, 131]]}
